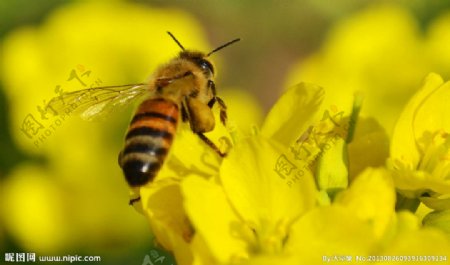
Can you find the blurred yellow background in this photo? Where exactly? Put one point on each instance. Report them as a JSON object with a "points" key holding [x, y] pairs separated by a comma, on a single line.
{"points": [[61, 190]]}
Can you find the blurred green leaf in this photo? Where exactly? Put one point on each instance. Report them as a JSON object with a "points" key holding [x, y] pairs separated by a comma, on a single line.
{"points": [[14, 13], [9, 154]]}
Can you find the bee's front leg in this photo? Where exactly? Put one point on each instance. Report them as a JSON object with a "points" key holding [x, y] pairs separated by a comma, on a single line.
{"points": [[222, 106]]}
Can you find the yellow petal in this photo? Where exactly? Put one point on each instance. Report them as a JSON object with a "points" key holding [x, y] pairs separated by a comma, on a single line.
{"points": [[433, 114], [293, 113], [190, 155], [329, 231], [162, 204], [201, 251], [403, 144], [406, 222], [257, 192], [214, 219], [369, 135], [371, 197], [414, 183]]}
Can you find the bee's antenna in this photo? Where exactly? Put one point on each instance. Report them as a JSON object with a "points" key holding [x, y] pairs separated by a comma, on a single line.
{"points": [[223, 46], [175, 39]]}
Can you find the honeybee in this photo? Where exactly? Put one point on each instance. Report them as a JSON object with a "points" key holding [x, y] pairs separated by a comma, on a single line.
{"points": [[184, 87]]}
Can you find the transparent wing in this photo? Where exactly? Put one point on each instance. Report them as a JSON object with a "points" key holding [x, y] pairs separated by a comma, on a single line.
{"points": [[97, 102]]}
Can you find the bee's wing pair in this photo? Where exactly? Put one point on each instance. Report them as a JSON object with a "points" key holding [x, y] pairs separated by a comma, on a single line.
{"points": [[97, 102]]}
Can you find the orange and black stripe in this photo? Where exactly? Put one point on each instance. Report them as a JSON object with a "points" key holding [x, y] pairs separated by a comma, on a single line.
{"points": [[148, 140]]}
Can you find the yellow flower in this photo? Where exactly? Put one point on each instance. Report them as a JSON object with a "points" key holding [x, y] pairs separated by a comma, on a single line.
{"points": [[251, 212], [260, 204], [420, 146], [420, 152]]}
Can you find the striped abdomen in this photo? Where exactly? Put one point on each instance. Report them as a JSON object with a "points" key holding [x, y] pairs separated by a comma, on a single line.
{"points": [[148, 140]]}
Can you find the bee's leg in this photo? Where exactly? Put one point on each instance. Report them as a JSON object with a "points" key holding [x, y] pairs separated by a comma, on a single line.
{"points": [[222, 106], [212, 102], [212, 86], [223, 111], [211, 144], [134, 200]]}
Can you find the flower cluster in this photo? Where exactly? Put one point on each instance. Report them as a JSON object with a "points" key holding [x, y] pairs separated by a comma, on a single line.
{"points": [[420, 151], [286, 194]]}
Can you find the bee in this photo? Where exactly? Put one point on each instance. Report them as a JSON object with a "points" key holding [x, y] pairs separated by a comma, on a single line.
{"points": [[182, 88]]}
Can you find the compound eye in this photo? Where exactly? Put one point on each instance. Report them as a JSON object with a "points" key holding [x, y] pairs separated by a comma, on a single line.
{"points": [[206, 66]]}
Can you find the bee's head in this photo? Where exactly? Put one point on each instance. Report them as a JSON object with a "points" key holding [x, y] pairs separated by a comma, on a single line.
{"points": [[201, 59]]}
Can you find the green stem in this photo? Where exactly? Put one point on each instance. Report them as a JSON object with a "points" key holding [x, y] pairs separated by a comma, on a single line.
{"points": [[357, 104]]}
